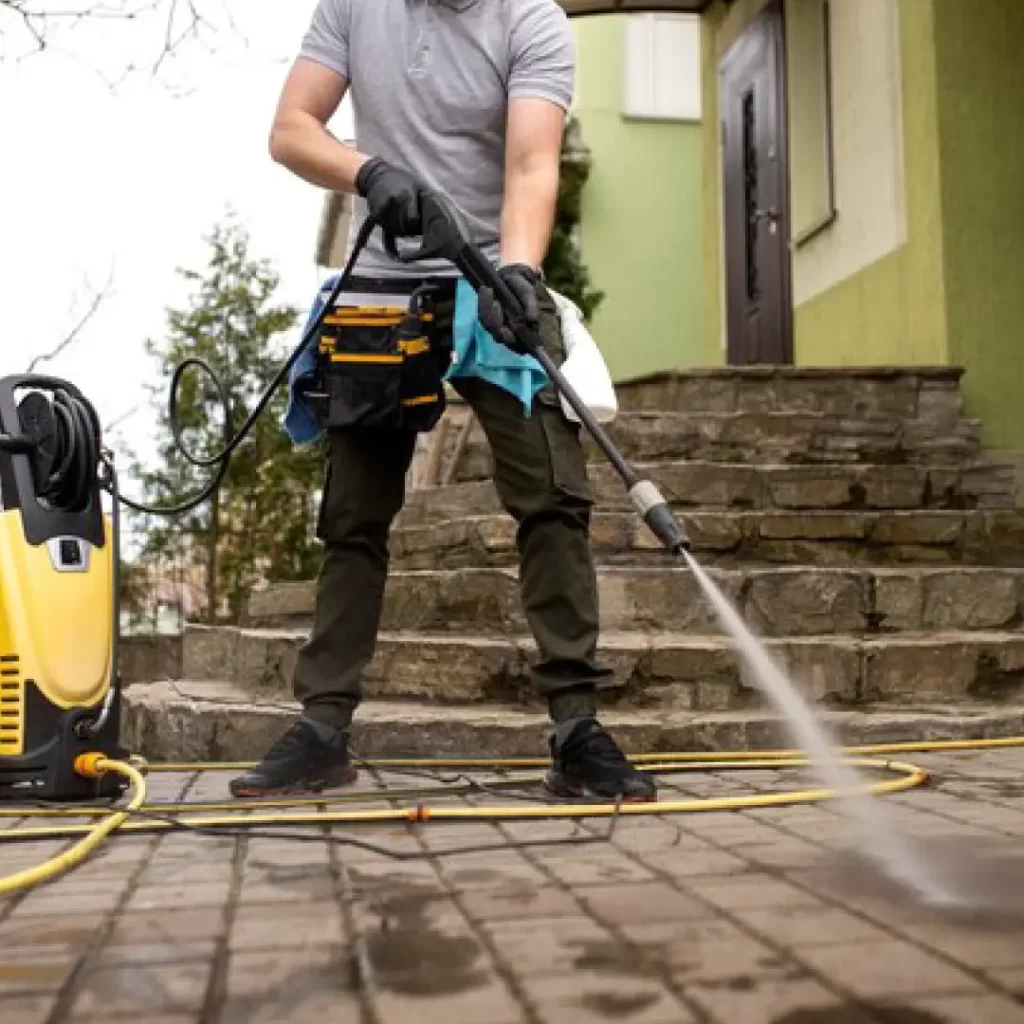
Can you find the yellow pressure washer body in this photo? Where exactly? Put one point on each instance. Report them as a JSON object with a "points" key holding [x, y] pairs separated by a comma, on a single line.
{"points": [[58, 600]]}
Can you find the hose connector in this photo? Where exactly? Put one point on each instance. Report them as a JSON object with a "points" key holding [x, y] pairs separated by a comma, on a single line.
{"points": [[654, 510], [91, 766]]}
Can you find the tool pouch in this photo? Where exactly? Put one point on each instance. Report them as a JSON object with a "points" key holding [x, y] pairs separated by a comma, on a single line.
{"points": [[382, 368]]}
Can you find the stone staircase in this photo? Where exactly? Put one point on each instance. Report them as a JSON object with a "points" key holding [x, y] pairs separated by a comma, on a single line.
{"points": [[851, 515]]}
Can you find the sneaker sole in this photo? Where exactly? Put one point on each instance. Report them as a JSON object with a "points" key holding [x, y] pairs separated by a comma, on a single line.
{"points": [[304, 788], [560, 786]]}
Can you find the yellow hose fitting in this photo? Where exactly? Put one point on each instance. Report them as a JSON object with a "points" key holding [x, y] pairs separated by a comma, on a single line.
{"points": [[90, 766]]}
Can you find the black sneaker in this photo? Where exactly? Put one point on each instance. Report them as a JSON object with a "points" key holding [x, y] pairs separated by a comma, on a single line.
{"points": [[301, 761], [587, 762]]}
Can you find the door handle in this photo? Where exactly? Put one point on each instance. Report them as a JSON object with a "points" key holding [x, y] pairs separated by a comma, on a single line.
{"points": [[769, 215]]}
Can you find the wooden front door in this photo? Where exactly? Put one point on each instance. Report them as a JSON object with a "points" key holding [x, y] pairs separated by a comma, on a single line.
{"points": [[759, 304]]}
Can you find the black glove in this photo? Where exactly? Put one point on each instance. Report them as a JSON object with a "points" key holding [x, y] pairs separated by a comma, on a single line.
{"points": [[392, 197], [525, 283]]}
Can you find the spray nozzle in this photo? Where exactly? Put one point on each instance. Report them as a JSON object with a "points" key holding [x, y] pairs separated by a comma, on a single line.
{"points": [[650, 504]]}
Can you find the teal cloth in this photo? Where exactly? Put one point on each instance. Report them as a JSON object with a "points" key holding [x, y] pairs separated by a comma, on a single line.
{"points": [[477, 354]]}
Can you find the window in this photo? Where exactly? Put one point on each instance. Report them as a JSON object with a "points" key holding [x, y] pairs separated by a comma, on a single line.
{"points": [[662, 72]]}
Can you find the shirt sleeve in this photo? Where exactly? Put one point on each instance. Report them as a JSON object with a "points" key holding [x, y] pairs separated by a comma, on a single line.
{"points": [[543, 55], [326, 41]]}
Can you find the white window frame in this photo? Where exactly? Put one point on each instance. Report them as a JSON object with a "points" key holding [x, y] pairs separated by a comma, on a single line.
{"points": [[642, 98]]}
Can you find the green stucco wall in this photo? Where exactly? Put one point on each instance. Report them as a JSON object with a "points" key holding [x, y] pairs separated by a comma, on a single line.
{"points": [[979, 51], [893, 311], [641, 223]]}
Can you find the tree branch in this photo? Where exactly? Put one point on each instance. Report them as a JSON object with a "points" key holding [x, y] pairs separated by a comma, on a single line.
{"points": [[182, 21], [97, 300]]}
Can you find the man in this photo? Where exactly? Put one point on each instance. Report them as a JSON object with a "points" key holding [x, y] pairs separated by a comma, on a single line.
{"points": [[468, 98]]}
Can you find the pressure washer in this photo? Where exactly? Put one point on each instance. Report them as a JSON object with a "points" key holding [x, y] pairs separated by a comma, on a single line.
{"points": [[58, 594], [60, 552]]}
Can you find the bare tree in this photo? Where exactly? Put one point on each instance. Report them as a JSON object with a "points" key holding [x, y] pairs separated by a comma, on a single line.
{"points": [[175, 23], [97, 298]]}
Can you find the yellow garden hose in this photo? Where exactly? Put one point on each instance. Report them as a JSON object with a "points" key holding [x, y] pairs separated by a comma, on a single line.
{"points": [[91, 765], [909, 776], [139, 817]]}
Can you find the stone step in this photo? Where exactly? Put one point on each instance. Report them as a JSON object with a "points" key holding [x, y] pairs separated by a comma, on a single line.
{"points": [[716, 485], [930, 393], [773, 437], [775, 601], [186, 721], [664, 670], [725, 538]]}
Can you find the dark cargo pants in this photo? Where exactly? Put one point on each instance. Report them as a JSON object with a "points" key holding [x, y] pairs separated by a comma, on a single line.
{"points": [[541, 478]]}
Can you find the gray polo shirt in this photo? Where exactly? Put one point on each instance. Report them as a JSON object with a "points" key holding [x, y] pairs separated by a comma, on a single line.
{"points": [[430, 81]]}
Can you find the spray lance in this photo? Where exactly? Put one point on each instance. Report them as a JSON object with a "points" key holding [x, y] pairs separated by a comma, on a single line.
{"points": [[442, 237]]}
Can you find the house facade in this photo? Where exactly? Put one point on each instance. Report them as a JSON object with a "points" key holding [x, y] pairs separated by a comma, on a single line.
{"points": [[861, 190], [861, 199]]}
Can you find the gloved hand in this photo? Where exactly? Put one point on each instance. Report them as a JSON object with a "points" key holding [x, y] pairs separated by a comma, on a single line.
{"points": [[524, 282], [392, 197]]}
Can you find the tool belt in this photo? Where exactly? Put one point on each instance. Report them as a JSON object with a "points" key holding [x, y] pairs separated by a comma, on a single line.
{"points": [[382, 361]]}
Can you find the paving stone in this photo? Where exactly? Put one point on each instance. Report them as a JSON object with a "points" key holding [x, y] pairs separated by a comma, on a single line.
{"points": [[974, 946], [35, 936], [57, 903], [587, 998], [490, 871], [886, 969], [166, 872], [782, 854], [704, 950], [168, 926], [683, 863], [149, 1018], [773, 1001], [291, 987], [537, 947], [45, 972], [807, 925], [432, 1002], [638, 903], [139, 989], [604, 868], [301, 886], [29, 1009], [749, 891], [516, 903], [975, 1009], [198, 894], [156, 952], [293, 925]]}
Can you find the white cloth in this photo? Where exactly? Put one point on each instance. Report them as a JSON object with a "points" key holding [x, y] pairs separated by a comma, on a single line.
{"points": [[584, 367]]}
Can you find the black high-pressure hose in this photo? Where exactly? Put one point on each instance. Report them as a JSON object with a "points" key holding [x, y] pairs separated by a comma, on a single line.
{"points": [[222, 458]]}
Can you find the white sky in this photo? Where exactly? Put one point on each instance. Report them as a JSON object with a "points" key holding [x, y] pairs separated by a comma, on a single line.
{"points": [[134, 179]]}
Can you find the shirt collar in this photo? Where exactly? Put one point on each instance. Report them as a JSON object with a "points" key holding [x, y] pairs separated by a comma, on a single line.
{"points": [[456, 5]]}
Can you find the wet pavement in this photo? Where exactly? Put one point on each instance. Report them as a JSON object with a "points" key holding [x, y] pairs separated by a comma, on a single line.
{"points": [[753, 917]]}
